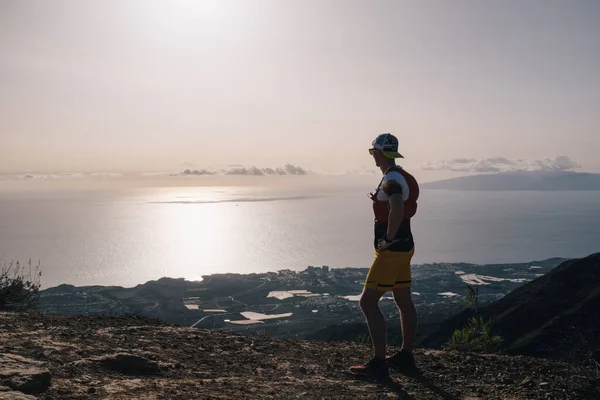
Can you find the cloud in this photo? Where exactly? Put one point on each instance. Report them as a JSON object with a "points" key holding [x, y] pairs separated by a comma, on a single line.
{"points": [[161, 173], [502, 164], [244, 171], [106, 175], [293, 170], [50, 176], [288, 169], [67, 176], [560, 163], [198, 172]]}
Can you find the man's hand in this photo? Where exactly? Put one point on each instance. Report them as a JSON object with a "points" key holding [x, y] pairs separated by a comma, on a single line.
{"points": [[383, 245]]}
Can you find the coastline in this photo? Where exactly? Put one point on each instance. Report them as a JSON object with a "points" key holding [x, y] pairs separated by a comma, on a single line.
{"points": [[288, 303]]}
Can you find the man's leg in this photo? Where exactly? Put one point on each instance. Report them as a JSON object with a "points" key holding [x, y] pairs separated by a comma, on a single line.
{"points": [[404, 359], [408, 317], [379, 279], [377, 366], [369, 303]]}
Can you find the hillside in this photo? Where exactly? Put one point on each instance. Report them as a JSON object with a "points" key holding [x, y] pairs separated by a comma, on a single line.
{"points": [[553, 316], [523, 180], [100, 357]]}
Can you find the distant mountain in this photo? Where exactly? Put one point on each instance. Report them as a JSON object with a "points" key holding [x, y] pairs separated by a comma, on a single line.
{"points": [[554, 316], [523, 180]]}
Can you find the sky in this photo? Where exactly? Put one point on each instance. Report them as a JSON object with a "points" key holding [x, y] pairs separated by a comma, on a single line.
{"points": [[147, 85]]}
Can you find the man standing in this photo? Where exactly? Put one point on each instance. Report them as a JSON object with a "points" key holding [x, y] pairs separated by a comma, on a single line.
{"points": [[394, 203]]}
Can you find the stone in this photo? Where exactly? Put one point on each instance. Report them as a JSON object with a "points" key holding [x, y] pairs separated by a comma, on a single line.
{"points": [[15, 396], [130, 364], [23, 374]]}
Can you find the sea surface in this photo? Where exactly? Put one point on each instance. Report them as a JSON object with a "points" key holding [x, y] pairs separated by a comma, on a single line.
{"points": [[129, 236]]}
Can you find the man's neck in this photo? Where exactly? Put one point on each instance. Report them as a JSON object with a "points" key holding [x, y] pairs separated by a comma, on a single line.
{"points": [[385, 166]]}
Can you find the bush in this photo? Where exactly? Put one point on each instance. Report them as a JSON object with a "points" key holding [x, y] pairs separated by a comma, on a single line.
{"points": [[472, 298], [19, 289], [476, 337], [364, 339]]}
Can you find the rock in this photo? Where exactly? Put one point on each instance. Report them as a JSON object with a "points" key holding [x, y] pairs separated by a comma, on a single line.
{"points": [[130, 364], [526, 381], [15, 396], [91, 390], [23, 374]]}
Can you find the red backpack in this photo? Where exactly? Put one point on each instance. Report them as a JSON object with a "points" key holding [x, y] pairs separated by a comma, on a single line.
{"points": [[382, 209]]}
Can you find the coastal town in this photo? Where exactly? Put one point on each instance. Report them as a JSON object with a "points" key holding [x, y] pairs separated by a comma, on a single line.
{"points": [[287, 302]]}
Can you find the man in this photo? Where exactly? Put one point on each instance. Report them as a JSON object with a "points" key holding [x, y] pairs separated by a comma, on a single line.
{"points": [[394, 203]]}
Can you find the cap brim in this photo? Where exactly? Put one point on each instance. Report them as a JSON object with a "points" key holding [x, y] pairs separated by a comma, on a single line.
{"points": [[392, 154]]}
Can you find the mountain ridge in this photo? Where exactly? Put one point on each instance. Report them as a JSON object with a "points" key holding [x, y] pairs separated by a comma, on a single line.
{"points": [[521, 180]]}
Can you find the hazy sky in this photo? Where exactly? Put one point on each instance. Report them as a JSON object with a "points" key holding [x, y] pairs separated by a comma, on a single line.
{"points": [[148, 85]]}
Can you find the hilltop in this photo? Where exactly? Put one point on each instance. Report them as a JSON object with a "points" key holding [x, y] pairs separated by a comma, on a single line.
{"points": [[103, 357], [133, 357]]}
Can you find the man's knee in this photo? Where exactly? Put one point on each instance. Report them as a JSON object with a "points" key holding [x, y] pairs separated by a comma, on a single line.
{"points": [[369, 301], [403, 298], [367, 304]]}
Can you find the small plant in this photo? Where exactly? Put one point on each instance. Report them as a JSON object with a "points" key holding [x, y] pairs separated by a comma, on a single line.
{"points": [[472, 298], [19, 289], [364, 339], [476, 337]]}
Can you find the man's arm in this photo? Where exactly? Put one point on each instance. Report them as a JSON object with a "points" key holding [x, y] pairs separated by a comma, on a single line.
{"points": [[396, 215], [394, 191]]}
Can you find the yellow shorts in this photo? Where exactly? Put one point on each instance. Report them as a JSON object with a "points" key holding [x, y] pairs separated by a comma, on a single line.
{"points": [[390, 270]]}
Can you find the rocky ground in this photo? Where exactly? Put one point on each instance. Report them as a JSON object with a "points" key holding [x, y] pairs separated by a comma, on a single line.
{"points": [[99, 357]]}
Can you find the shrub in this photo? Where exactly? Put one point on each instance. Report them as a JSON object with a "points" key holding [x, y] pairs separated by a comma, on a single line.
{"points": [[364, 339], [476, 337], [472, 298], [19, 288]]}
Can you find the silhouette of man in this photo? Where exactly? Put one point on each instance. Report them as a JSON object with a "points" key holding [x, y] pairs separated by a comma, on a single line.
{"points": [[394, 203]]}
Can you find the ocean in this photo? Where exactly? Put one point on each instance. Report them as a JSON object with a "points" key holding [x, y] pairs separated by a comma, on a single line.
{"points": [[127, 236]]}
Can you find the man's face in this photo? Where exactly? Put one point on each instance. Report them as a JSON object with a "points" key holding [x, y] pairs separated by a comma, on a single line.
{"points": [[377, 155]]}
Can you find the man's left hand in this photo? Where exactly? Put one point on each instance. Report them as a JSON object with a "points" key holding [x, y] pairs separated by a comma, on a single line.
{"points": [[383, 245]]}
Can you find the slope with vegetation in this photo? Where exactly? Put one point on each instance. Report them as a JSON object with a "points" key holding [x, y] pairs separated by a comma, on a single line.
{"points": [[554, 316]]}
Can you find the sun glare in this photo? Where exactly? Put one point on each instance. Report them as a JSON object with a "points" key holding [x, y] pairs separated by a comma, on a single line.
{"points": [[185, 8], [185, 19]]}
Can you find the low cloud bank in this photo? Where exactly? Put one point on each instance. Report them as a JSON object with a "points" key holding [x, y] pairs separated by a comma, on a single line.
{"points": [[502, 164], [288, 169]]}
